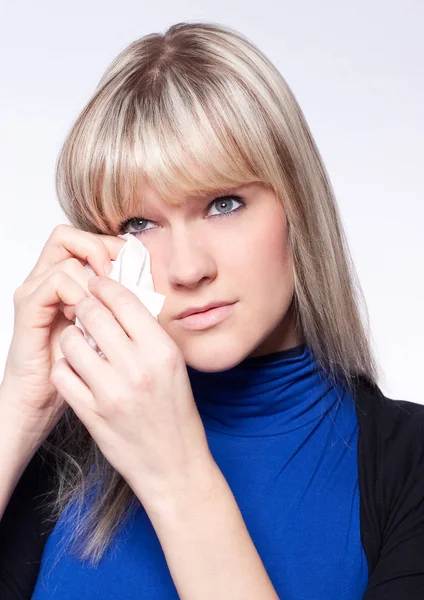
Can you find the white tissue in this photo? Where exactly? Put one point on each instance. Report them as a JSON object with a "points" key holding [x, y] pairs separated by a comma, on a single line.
{"points": [[132, 269]]}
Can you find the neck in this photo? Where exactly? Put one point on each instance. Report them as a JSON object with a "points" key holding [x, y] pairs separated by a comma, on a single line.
{"points": [[262, 395]]}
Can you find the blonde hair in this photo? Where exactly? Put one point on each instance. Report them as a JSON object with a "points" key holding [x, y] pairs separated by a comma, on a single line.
{"points": [[195, 110]]}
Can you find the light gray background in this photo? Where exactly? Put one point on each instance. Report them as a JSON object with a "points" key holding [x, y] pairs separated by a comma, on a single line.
{"points": [[357, 71]]}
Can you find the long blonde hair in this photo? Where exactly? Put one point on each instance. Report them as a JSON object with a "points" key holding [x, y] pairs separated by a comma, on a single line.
{"points": [[194, 110]]}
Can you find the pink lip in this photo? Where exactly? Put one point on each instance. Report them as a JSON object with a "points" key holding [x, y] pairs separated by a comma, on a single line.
{"points": [[206, 319], [198, 309]]}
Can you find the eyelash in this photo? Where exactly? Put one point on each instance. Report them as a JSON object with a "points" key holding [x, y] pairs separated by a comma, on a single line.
{"points": [[123, 226]]}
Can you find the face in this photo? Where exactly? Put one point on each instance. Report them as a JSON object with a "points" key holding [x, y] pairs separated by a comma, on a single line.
{"points": [[229, 248]]}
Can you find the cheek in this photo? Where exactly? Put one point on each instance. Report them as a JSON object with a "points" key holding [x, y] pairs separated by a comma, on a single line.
{"points": [[262, 255]]}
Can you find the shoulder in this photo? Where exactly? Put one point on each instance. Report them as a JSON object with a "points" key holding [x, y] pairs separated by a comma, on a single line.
{"points": [[390, 472], [392, 423], [390, 439]]}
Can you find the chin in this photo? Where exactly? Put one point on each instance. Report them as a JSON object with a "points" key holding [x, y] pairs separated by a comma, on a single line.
{"points": [[210, 360]]}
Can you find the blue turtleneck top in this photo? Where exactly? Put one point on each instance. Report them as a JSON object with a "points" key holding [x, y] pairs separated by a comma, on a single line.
{"points": [[285, 439]]}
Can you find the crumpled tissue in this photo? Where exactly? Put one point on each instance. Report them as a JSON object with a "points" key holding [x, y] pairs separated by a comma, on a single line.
{"points": [[132, 269]]}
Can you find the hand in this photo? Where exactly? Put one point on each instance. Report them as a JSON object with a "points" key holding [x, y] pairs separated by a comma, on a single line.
{"points": [[137, 402], [44, 307]]}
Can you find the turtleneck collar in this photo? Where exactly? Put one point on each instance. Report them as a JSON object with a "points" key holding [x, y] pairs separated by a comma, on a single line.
{"points": [[264, 395]]}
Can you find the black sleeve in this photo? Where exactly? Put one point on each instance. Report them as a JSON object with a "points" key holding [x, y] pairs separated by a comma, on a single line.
{"points": [[24, 529], [397, 468]]}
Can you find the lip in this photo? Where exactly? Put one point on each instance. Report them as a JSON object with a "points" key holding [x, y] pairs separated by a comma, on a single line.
{"points": [[207, 318], [200, 309]]}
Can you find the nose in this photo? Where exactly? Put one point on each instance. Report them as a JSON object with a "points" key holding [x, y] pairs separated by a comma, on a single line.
{"points": [[190, 261]]}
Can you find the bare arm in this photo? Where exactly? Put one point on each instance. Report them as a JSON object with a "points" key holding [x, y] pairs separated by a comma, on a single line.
{"points": [[17, 447], [207, 546]]}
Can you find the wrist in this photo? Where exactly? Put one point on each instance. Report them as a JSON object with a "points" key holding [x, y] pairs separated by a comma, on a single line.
{"points": [[16, 451], [186, 494], [17, 432]]}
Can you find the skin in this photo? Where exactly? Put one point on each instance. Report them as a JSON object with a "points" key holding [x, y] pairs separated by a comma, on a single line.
{"points": [[197, 258]]}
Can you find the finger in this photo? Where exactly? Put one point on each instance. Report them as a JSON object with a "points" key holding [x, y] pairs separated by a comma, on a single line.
{"points": [[66, 241], [70, 266], [41, 304], [135, 320], [106, 332], [76, 393], [83, 359], [60, 322]]}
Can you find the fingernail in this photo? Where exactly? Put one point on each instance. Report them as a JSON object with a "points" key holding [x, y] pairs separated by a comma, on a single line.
{"points": [[108, 267]]}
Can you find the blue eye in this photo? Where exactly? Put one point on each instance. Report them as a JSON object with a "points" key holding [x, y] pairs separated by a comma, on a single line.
{"points": [[222, 202]]}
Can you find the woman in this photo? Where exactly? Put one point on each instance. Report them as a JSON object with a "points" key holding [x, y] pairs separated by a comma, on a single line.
{"points": [[247, 452]]}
